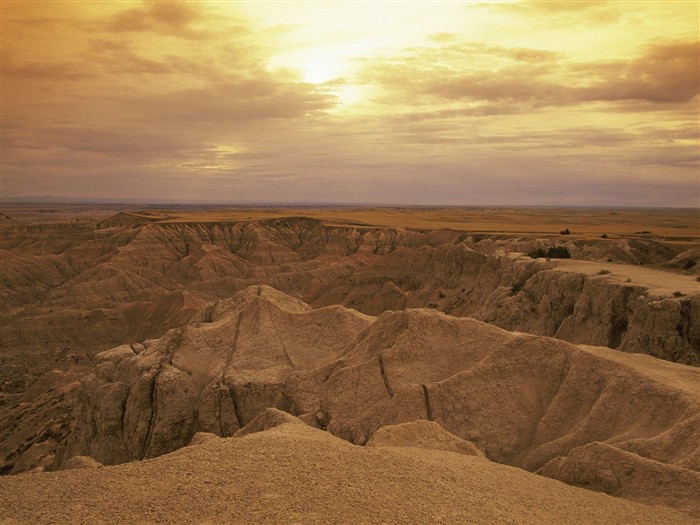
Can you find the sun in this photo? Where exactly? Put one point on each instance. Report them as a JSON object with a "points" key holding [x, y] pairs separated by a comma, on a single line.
{"points": [[329, 71], [318, 68], [331, 75]]}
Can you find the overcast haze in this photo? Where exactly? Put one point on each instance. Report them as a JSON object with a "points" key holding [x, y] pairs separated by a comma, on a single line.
{"points": [[551, 103]]}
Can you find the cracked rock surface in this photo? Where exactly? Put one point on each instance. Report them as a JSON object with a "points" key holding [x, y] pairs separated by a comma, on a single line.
{"points": [[522, 400]]}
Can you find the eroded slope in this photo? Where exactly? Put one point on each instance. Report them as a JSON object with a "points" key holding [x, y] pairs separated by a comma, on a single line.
{"points": [[523, 400], [71, 290], [293, 473]]}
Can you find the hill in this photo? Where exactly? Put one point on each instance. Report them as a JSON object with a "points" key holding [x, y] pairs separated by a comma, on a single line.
{"points": [[569, 412], [295, 474]]}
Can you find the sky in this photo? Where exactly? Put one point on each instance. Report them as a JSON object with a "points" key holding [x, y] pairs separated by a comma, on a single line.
{"points": [[428, 103]]}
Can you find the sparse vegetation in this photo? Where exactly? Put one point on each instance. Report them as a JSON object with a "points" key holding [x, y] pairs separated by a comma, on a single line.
{"points": [[565, 232], [553, 252]]}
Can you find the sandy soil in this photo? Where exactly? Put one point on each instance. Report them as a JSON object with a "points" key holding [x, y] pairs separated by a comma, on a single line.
{"points": [[295, 474], [684, 377], [659, 282]]}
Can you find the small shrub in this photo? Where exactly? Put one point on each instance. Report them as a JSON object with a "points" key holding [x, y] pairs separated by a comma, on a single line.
{"points": [[553, 252], [604, 236], [565, 232], [537, 254], [677, 294], [559, 252]]}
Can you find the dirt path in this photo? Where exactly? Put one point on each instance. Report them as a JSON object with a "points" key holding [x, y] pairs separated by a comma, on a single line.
{"points": [[659, 282]]}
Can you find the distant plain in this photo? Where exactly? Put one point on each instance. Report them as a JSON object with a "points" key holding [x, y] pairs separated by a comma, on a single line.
{"points": [[666, 222]]}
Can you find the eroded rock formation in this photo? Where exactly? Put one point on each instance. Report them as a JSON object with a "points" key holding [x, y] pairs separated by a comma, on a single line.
{"points": [[72, 290], [214, 375], [523, 400]]}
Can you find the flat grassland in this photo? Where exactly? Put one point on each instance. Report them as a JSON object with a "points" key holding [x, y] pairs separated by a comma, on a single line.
{"points": [[682, 223]]}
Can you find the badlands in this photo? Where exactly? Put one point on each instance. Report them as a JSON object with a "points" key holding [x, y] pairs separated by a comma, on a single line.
{"points": [[349, 365]]}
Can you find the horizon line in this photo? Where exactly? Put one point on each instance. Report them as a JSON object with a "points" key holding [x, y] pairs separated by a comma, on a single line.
{"points": [[71, 201]]}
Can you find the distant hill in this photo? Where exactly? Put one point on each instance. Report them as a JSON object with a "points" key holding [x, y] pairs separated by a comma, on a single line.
{"points": [[53, 199]]}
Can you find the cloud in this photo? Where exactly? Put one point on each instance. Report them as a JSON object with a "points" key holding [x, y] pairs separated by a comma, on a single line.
{"points": [[169, 18], [465, 71], [236, 101], [142, 84], [43, 70], [178, 100], [579, 5], [596, 12], [665, 73]]}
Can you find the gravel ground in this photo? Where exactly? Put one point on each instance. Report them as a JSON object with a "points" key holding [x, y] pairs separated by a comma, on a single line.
{"points": [[296, 474]]}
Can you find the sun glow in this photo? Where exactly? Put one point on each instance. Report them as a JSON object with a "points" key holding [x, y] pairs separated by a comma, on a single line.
{"points": [[475, 94], [319, 68]]}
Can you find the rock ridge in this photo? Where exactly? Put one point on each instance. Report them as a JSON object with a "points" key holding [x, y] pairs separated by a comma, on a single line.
{"points": [[524, 400]]}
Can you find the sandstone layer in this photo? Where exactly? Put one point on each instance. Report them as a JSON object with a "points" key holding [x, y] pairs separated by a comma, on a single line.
{"points": [[523, 400], [72, 289]]}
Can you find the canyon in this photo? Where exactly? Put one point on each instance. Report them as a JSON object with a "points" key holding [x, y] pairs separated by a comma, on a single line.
{"points": [[127, 335]]}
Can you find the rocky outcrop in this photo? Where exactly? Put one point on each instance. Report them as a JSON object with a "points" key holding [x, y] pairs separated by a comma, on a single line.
{"points": [[32, 428], [70, 291], [597, 310], [81, 462], [202, 437], [422, 434], [688, 261], [609, 469], [523, 400], [668, 328], [135, 280], [214, 375], [267, 419]]}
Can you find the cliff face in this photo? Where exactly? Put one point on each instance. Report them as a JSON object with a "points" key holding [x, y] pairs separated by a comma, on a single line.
{"points": [[524, 400], [134, 279], [213, 375], [70, 291], [597, 309]]}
